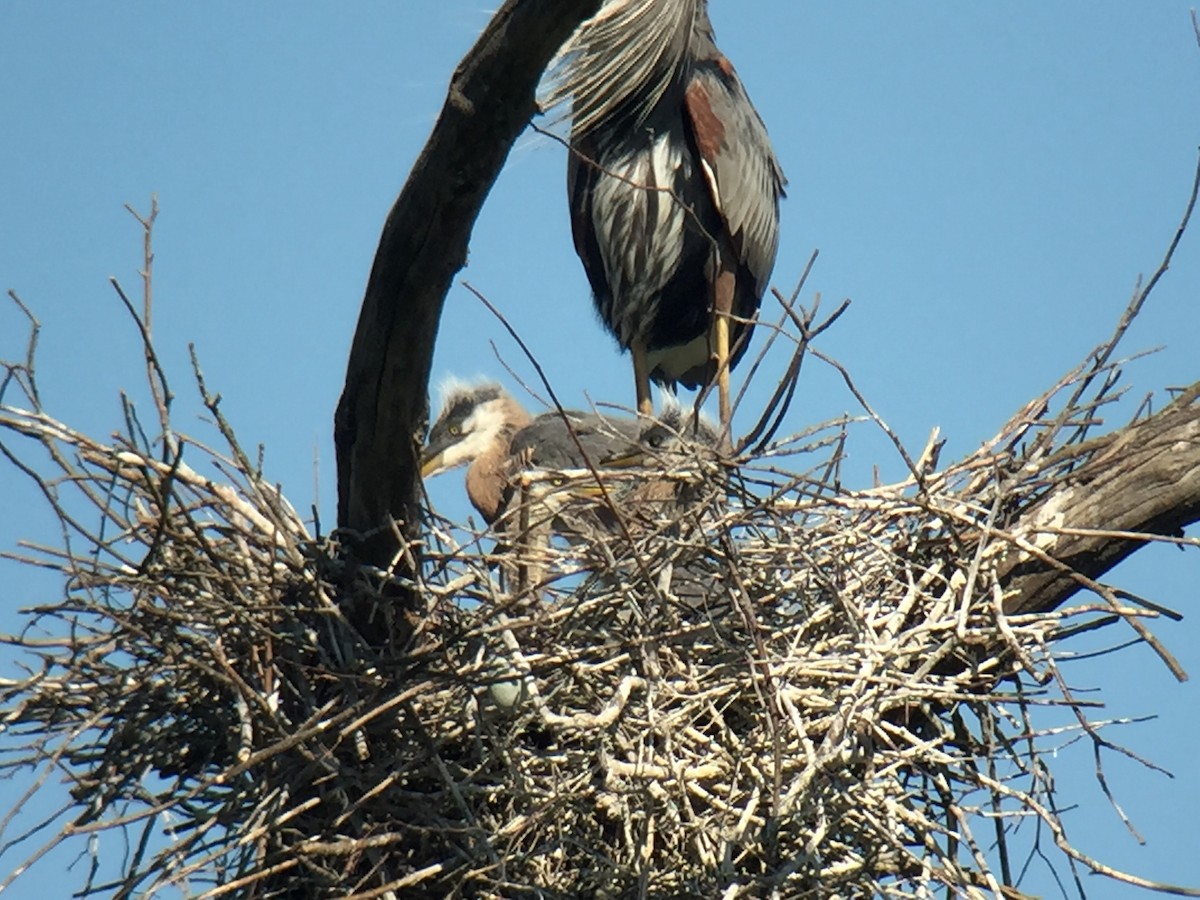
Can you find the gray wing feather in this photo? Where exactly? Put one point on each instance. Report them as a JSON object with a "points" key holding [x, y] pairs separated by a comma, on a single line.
{"points": [[549, 445], [749, 179]]}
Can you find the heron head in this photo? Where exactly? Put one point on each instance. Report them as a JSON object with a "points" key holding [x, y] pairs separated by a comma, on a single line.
{"points": [[672, 438], [473, 420]]}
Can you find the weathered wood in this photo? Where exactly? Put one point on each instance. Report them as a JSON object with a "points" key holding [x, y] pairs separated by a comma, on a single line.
{"points": [[383, 409], [1141, 478]]}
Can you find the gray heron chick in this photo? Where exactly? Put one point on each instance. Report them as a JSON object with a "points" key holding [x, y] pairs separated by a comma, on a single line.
{"points": [[484, 428], [674, 190]]}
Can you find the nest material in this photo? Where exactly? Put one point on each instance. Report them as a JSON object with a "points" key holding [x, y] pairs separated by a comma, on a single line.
{"points": [[768, 685], [783, 688]]}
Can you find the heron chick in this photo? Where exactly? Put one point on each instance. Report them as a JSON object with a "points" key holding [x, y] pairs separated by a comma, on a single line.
{"points": [[484, 428], [668, 471]]}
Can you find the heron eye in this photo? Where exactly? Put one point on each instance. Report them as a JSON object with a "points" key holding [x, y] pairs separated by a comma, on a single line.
{"points": [[558, 482], [455, 430]]}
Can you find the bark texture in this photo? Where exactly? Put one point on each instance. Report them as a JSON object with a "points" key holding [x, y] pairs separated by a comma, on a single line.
{"points": [[1143, 478], [383, 410]]}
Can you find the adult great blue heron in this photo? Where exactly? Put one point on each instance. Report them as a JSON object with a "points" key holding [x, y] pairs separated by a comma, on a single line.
{"points": [[674, 190]]}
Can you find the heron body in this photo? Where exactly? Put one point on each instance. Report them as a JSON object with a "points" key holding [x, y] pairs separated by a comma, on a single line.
{"points": [[484, 428], [668, 472], [674, 190], [520, 478]]}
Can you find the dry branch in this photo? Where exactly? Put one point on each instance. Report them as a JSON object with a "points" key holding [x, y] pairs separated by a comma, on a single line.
{"points": [[1141, 481], [383, 410], [792, 688]]}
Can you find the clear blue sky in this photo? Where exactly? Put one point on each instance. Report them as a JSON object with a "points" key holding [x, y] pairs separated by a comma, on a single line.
{"points": [[985, 181]]}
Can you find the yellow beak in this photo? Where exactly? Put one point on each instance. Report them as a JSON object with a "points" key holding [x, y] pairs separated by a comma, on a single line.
{"points": [[432, 466], [633, 458]]}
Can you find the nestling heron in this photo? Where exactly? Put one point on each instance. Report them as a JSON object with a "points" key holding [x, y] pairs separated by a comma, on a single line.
{"points": [[647, 469], [663, 474], [484, 428], [674, 190]]}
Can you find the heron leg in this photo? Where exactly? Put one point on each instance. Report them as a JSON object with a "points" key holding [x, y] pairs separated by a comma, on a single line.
{"points": [[529, 545], [722, 309], [641, 378]]}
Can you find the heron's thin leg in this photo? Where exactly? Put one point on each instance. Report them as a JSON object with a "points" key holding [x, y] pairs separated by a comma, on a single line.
{"points": [[722, 309], [641, 378], [722, 327], [523, 543]]}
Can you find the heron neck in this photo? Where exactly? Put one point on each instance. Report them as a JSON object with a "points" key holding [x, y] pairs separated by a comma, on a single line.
{"points": [[487, 478]]}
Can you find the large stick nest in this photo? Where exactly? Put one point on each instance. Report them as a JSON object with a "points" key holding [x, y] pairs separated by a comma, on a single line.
{"points": [[793, 688]]}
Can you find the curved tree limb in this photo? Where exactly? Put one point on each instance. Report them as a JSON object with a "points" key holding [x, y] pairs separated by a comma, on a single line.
{"points": [[382, 413]]}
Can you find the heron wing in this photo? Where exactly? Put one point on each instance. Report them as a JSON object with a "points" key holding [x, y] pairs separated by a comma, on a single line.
{"points": [[582, 174], [742, 171], [546, 443]]}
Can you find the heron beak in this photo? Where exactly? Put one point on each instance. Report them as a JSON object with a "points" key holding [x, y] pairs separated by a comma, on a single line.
{"points": [[432, 465], [590, 490], [633, 458]]}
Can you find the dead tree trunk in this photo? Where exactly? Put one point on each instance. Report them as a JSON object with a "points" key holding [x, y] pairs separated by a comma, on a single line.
{"points": [[1141, 479], [383, 409]]}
